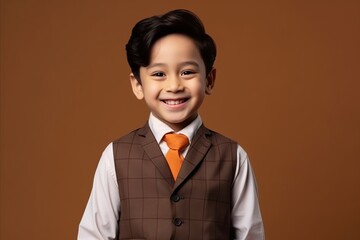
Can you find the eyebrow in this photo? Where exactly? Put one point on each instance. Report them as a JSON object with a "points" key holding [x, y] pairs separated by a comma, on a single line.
{"points": [[180, 64]]}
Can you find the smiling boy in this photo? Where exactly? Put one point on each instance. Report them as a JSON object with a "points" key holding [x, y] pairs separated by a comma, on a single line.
{"points": [[138, 192], [175, 82]]}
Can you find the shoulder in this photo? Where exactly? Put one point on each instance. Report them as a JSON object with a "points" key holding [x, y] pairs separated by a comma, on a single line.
{"points": [[124, 144], [222, 140], [131, 142]]}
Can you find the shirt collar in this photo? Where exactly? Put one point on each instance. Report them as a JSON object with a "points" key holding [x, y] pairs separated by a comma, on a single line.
{"points": [[159, 128]]}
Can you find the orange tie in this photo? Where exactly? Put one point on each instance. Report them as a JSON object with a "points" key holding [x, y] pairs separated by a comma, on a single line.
{"points": [[176, 143]]}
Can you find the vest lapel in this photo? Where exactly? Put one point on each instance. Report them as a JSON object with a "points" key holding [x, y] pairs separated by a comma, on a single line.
{"points": [[198, 148], [152, 149]]}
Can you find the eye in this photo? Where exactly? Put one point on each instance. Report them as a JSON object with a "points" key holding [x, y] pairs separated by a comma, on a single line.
{"points": [[187, 72], [158, 74]]}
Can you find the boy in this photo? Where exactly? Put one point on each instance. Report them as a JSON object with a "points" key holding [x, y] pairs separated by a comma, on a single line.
{"points": [[143, 187]]}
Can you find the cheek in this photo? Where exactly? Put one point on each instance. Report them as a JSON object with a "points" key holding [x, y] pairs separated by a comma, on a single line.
{"points": [[197, 88], [151, 90]]}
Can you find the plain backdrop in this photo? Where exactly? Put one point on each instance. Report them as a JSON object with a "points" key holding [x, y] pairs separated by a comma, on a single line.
{"points": [[287, 90]]}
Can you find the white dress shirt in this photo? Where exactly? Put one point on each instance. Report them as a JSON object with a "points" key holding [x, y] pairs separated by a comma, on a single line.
{"points": [[101, 216]]}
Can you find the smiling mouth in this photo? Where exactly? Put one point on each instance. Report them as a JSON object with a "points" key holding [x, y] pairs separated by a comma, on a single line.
{"points": [[175, 102]]}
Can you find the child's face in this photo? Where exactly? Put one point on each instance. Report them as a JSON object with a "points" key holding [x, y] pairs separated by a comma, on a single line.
{"points": [[174, 84]]}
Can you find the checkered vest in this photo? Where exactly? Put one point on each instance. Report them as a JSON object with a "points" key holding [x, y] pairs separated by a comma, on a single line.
{"points": [[195, 206]]}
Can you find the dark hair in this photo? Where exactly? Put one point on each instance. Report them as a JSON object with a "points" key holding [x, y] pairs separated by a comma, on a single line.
{"points": [[147, 31]]}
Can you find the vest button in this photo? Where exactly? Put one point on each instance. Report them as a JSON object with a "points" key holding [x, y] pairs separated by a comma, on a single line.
{"points": [[175, 198], [177, 222]]}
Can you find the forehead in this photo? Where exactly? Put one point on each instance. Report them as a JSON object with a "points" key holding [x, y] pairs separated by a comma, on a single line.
{"points": [[174, 47]]}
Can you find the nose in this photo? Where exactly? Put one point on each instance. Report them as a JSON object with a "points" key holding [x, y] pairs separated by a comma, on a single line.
{"points": [[174, 84]]}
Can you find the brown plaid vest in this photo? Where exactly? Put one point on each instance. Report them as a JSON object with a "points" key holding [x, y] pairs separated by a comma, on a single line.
{"points": [[195, 206]]}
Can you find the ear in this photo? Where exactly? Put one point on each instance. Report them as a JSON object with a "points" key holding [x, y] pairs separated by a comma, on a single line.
{"points": [[136, 87], [210, 81]]}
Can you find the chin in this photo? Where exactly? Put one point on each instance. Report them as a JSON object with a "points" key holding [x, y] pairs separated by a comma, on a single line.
{"points": [[182, 120], [175, 121]]}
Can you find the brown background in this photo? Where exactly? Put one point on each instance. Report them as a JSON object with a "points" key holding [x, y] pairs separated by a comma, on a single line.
{"points": [[287, 90]]}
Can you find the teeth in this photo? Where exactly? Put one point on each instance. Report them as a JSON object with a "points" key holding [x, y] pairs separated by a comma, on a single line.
{"points": [[174, 102]]}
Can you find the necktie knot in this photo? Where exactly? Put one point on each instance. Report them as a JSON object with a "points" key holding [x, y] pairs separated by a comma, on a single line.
{"points": [[176, 141]]}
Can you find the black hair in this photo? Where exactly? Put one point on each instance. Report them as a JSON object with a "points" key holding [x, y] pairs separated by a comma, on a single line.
{"points": [[147, 31]]}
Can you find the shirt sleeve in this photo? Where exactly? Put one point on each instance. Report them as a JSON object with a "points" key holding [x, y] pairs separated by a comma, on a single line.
{"points": [[246, 215], [103, 208]]}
